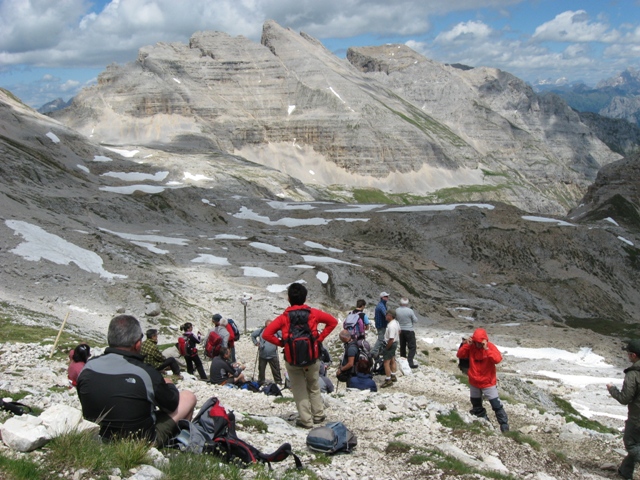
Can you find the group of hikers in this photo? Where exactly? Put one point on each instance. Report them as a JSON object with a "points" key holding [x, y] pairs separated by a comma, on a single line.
{"points": [[125, 392]]}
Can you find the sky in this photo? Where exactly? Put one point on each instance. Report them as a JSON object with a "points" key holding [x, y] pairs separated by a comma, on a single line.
{"points": [[51, 49]]}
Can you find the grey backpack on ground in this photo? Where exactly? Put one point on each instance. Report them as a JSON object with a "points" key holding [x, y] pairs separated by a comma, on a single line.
{"points": [[332, 438]]}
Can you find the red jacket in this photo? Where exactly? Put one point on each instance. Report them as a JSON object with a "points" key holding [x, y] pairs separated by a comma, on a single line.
{"points": [[482, 363], [281, 323]]}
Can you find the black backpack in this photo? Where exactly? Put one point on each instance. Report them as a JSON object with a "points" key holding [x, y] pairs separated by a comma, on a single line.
{"points": [[213, 431], [363, 355], [301, 348]]}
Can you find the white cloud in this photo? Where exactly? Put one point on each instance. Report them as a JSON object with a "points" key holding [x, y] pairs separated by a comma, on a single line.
{"points": [[64, 33], [466, 32], [573, 26]]}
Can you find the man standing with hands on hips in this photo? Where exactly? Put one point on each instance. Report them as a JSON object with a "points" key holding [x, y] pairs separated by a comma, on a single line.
{"points": [[630, 396]]}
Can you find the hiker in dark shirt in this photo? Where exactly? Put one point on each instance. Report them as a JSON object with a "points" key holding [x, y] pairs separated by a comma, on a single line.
{"points": [[127, 396], [223, 372]]}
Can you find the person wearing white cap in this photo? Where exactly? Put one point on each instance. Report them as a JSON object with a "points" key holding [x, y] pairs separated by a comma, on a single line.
{"points": [[407, 319], [380, 316]]}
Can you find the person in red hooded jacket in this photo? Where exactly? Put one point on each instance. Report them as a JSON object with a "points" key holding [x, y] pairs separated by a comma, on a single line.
{"points": [[304, 379], [483, 357]]}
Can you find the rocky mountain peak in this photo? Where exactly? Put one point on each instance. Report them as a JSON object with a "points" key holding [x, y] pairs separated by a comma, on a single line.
{"points": [[420, 128]]}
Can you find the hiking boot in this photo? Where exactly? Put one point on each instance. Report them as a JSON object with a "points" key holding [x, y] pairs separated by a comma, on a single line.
{"points": [[504, 427], [302, 425], [320, 419], [387, 383], [413, 365], [394, 378]]}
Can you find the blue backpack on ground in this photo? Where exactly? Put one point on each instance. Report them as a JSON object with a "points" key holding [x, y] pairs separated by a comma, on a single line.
{"points": [[334, 437]]}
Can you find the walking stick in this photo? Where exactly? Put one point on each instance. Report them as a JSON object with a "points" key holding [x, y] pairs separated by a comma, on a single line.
{"points": [[255, 364], [53, 349]]}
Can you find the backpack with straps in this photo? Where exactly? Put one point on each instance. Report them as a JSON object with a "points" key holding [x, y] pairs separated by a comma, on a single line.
{"points": [[334, 437], [213, 431], [363, 355], [301, 348], [213, 345], [354, 324], [234, 327]]}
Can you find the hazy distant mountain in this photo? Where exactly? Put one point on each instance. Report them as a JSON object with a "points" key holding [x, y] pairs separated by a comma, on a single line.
{"points": [[417, 127], [616, 97], [52, 106]]}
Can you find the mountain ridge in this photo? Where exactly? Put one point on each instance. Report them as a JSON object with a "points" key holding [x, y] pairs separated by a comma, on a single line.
{"points": [[288, 103]]}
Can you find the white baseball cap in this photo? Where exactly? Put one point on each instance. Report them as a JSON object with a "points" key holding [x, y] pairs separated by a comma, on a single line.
{"points": [[383, 294]]}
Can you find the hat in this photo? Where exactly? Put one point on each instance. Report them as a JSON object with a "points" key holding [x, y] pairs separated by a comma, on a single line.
{"points": [[633, 346], [404, 301], [383, 294], [217, 317]]}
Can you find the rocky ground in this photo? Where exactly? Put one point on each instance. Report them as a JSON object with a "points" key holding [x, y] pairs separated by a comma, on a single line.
{"points": [[406, 413]]}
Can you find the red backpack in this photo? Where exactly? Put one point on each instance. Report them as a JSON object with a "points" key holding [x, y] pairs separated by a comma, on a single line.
{"points": [[213, 345], [182, 346]]}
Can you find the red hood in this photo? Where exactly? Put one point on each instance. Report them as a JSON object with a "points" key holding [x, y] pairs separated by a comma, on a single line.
{"points": [[479, 335]]}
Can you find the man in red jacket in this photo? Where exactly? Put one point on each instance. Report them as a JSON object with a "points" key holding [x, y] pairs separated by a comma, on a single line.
{"points": [[304, 378], [483, 357]]}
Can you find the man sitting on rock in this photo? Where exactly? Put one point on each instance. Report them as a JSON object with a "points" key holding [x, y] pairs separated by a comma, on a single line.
{"points": [[128, 397], [152, 355], [223, 372]]}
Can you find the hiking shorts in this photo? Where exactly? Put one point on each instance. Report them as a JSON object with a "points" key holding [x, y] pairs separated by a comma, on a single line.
{"points": [[166, 428], [388, 354]]}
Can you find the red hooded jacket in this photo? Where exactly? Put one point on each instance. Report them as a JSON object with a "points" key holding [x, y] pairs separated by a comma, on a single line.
{"points": [[282, 323], [482, 363]]}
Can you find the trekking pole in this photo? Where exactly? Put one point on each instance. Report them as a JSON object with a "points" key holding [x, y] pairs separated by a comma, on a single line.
{"points": [[255, 364], [53, 349]]}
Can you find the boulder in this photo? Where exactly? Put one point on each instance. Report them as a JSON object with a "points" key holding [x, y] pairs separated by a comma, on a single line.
{"points": [[24, 433]]}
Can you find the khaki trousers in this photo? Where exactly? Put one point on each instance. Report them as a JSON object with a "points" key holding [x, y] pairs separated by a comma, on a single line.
{"points": [[306, 392]]}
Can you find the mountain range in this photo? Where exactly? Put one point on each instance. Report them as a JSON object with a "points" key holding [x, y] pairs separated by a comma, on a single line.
{"points": [[387, 119]]}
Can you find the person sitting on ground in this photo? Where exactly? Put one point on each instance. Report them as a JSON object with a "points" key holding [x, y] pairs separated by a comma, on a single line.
{"points": [[128, 397], [362, 380], [223, 372], [154, 357], [325, 383], [346, 367], [77, 359]]}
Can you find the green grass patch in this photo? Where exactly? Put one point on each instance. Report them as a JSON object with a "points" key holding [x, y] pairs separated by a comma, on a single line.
{"points": [[322, 459], [489, 173], [522, 439], [20, 469], [462, 378], [250, 423], [454, 421], [452, 466], [604, 326], [398, 447], [395, 419], [283, 400], [78, 450], [572, 415]]}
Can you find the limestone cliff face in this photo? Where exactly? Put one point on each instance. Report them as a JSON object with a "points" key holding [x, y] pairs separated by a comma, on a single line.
{"points": [[532, 141], [288, 103]]}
